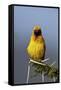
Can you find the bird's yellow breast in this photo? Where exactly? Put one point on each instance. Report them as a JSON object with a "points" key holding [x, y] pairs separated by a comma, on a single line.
{"points": [[36, 49]]}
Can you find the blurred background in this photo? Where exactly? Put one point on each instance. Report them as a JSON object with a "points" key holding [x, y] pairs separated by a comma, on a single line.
{"points": [[24, 20]]}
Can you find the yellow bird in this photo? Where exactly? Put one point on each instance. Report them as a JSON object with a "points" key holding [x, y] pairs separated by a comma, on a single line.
{"points": [[36, 48]]}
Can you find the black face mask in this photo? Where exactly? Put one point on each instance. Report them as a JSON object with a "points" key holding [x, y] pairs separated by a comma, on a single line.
{"points": [[37, 32]]}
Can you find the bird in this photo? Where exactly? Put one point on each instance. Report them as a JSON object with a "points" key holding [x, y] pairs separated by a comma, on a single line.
{"points": [[36, 48]]}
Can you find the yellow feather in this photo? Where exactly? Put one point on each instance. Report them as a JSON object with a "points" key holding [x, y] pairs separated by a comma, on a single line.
{"points": [[36, 47]]}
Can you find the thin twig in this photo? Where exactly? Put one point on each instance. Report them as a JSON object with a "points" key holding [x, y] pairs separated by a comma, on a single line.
{"points": [[54, 79], [53, 63], [42, 76], [28, 73], [45, 60], [37, 62]]}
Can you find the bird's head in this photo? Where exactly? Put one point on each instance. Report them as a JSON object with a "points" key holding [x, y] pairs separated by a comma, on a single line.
{"points": [[36, 32]]}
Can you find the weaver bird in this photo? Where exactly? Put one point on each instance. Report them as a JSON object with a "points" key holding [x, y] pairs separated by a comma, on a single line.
{"points": [[36, 47]]}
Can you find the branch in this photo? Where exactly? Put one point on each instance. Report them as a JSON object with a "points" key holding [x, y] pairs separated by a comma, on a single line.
{"points": [[36, 62], [49, 70]]}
